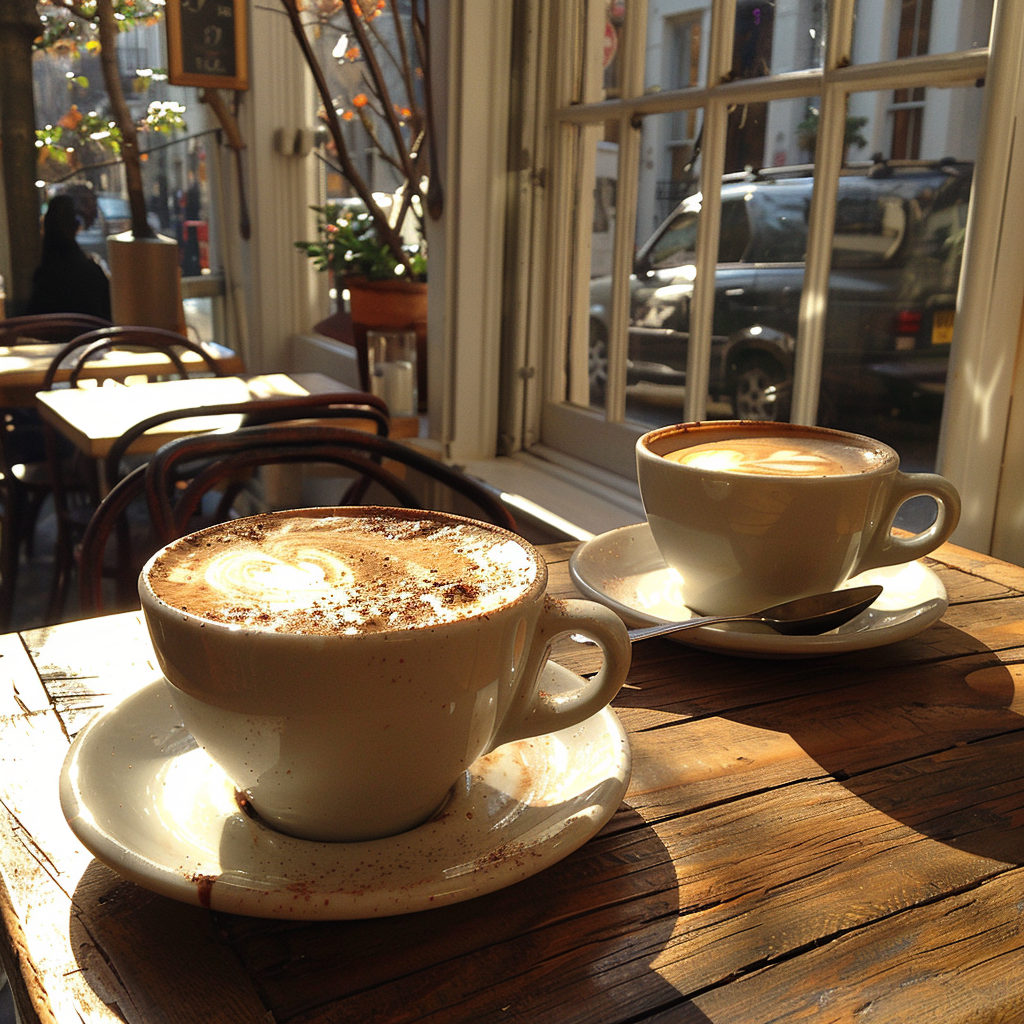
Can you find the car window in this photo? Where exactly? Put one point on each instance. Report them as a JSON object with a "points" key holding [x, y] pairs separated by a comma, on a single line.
{"points": [[870, 227], [734, 234], [677, 244], [781, 224]]}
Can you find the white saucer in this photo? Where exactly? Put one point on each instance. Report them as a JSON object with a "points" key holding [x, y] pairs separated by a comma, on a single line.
{"points": [[144, 799], [624, 570]]}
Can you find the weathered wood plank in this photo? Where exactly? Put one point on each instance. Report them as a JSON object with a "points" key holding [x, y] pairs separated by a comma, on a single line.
{"points": [[958, 960], [147, 957], [21, 691], [641, 919], [41, 864]]}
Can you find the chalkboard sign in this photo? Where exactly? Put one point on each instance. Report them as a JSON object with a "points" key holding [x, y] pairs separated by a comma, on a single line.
{"points": [[207, 44]]}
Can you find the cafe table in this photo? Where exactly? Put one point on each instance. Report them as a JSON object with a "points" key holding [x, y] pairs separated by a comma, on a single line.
{"points": [[833, 838], [23, 367], [94, 418]]}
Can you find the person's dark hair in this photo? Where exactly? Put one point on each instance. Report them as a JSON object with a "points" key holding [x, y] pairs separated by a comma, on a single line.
{"points": [[60, 225], [85, 202]]}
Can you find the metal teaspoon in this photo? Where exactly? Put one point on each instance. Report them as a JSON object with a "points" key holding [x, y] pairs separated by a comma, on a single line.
{"points": [[807, 616]]}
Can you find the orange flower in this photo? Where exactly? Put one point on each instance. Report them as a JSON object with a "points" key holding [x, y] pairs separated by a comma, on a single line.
{"points": [[347, 115], [360, 100], [352, 53], [403, 111], [369, 10], [72, 119]]}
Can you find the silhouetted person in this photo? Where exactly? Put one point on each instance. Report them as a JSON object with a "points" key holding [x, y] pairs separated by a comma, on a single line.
{"points": [[67, 280]]}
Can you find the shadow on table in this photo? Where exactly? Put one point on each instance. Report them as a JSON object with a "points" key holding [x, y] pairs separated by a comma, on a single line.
{"points": [[582, 933], [935, 742]]}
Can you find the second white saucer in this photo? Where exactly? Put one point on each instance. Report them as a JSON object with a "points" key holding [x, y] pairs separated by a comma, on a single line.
{"points": [[624, 570], [146, 800]]}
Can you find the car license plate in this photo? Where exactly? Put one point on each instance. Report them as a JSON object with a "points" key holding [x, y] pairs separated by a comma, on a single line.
{"points": [[942, 326]]}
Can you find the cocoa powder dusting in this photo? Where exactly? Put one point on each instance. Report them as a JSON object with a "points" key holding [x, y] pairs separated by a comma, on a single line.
{"points": [[329, 575]]}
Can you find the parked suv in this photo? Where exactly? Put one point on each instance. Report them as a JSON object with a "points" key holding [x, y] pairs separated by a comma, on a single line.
{"points": [[898, 241]]}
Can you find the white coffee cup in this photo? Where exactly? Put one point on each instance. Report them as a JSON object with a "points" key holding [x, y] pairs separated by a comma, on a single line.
{"points": [[751, 514], [337, 735]]}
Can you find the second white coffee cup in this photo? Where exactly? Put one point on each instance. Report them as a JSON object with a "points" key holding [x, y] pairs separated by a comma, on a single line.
{"points": [[751, 514]]}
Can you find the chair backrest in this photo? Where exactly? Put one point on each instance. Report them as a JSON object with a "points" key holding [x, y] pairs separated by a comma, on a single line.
{"points": [[350, 405], [89, 346], [182, 471], [48, 327], [207, 460]]}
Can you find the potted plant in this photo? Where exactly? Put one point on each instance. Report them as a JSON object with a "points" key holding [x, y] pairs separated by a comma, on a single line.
{"points": [[145, 279], [373, 244]]}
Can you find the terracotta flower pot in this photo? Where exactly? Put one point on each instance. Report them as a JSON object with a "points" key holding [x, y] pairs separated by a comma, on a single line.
{"points": [[395, 305]]}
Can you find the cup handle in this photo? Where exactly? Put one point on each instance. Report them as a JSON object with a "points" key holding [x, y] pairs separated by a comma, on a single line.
{"points": [[886, 548], [534, 712]]}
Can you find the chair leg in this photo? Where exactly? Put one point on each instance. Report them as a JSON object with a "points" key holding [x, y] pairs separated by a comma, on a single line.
{"points": [[33, 506], [126, 582], [63, 563]]}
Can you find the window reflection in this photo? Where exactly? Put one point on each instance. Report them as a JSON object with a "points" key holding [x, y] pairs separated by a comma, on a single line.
{"points": [[900, 219]]}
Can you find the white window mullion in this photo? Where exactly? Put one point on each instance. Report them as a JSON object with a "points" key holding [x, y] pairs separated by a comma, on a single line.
{"points": [[716, 118], [828, 160], [560, 191], [524, 306], [582, 201], [583, 197], [632, 57], [622, 262]]}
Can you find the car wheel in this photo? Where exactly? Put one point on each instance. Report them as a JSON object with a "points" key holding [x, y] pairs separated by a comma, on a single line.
{"points": [[597, 364], [757, 394]]}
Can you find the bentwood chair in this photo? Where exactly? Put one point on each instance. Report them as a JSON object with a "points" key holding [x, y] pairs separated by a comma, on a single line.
{"points": [[74, 478], [24, 473], [182, 472], [53, 327], [357, 407]]}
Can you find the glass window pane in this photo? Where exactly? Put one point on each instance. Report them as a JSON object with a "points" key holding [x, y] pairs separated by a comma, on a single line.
{"points": [[775, 37], [899, 229], [599, 165], [911, 28], [770, 37], [898, 245], [893, 267], [761, 248]]}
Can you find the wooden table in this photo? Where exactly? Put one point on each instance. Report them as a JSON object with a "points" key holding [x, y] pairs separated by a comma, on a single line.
{"points": [[93, 418], [836, 839], [23, 367]]}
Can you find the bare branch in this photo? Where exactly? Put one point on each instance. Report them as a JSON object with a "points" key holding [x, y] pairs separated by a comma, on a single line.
{"points": [[123, 117], [381, 88], [388, 235]]}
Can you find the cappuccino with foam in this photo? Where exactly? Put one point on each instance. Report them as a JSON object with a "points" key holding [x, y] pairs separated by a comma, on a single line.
{"points": [[790, 455], [327, 574]]}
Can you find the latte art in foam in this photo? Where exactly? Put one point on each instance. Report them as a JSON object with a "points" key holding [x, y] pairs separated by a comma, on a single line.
{"points": [[779, 456], [342, 574], [290, 577]]}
